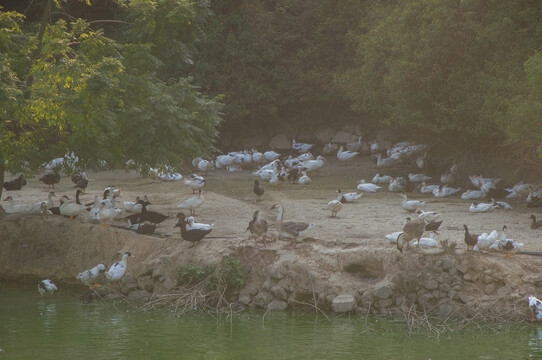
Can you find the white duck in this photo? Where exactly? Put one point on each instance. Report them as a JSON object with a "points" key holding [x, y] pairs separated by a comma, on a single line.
{"points": [[304, 179], [49, 203], [257, 157], [224, 161], [90, 275], [367, 187], [411, 205], [482, 207], [193, 203], [384, 179], [393, 237], [107, 214], [395, 185], [70, 209], [349, 197], [447, 178], [329, 148], [204, 166], [382, 162], [13, 208], [428, 216], [536, 308], [46, 287], [313, 165], [444, 191], [192, 225], [301, 147], [418, 177], [354, 146], [195, 182], [335, 206], [117, 270], [473, 194], [132, 206], [523, 189], [344, 156], [427, 189], [429, 241], [485, 241], [271, 155]]}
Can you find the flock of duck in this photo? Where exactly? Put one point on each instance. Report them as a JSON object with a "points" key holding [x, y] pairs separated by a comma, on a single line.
{"points": [[276, 169]]}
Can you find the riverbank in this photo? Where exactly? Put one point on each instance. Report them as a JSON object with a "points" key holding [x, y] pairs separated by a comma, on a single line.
{"points": [[346, 264]]}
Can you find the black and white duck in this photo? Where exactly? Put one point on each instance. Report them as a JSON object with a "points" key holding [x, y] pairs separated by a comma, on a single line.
{"points": [[82, 182], [91, 275], [46, 287], [192, 234], [117, 270], [50, 179]]}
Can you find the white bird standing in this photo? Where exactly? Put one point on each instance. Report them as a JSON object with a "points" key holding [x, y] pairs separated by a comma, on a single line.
{"points": [[411, 205], [192, 203], [335, 205], [117, 270], [301, 147], [344, 156], [536, 308], [91, 275]]}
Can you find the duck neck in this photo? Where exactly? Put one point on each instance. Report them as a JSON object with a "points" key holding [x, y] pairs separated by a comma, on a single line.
{"points": [[280, 214]]}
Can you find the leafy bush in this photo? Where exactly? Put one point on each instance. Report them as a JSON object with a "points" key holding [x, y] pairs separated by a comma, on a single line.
{"points": [[224, 277]]}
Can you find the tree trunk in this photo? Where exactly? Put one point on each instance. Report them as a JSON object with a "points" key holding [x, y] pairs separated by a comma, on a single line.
{"points": [[2, 165], [37, 51]]}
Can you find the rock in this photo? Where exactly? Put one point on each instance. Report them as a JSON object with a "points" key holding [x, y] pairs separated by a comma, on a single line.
{"points": [[261, 299], [159, 272], [399, 301], [430, 284], [343, 303], [344, 137], [248, 290], [253, 141], [489, 289], [427, 300], [276, 273], [444, 310], [385, 303], [447, 264], [244, 299], [487, 279], [279, 292], [465, 298], [461, 268], [138, 295], [469, 277], [280, 142], [277, 305], [266, 285], [128, 287], [452, 271], [169, 283], [367, 298], [145, 283], [383, 290], [324, 135], [445, 287]]}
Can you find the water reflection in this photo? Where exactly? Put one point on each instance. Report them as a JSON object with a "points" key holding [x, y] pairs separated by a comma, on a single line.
{"points": [[535, 343]]}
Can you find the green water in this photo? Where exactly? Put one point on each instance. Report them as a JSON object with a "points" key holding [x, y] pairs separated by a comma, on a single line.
{"points": [[63, 328]]}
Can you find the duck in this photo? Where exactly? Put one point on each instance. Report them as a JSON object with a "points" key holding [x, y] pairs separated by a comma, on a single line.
{"points": [[192, 225], [420, 162], [290, 229], [258, 226], [427, 189], [70, 209], [535, 224], [367, 187], [445, 191], [293, 175], [48, 204], [485, 241], [393, 237], [498, 193], [195, 182], [523, 189], [304, 179], [428, 215], [50, 179], [349, 197], [257, 157], [134, 206], [448, 178], [470, 239], [384, 179], [535, 306], [329, 148], [13, 208], [301, 147], [335, 206], [145, 215], [15, 184], [191, 235], [257, 189], [503, 205], [46, 287], [205, 165], [271, 155], [382, 162], [82, 182], [117, 270], [395, 186], [473, 194], [354, 146], [418, 177], [224, 161], [94, 210], [411, 205], [413, 229], [145, 228], [91, 275], [432, 225], [277, 179], [344, 156], [508, 247], [482, 207], [193, 203], [107, 214], [429, 241], [313, 165]]}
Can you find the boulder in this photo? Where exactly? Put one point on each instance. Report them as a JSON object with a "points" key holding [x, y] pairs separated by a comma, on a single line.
{"points": [[324, 135], [383, 290], [244, 299], [253, 141], [280, 142], [344, 137], [145, 283], [385, 303], [276, 273], [343, 303], [279, 292], [138, 295], [277, 305], [261, 299], [430, 284]]}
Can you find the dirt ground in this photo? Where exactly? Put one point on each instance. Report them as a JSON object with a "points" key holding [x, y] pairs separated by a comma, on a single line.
{"points": [[355, 236]]}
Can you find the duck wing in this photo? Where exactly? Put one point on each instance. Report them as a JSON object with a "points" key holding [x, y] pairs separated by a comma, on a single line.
{"points": [[295, 227]]}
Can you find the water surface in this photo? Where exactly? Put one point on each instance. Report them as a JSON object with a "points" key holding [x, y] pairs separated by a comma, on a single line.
{"points": [[61, 327]]}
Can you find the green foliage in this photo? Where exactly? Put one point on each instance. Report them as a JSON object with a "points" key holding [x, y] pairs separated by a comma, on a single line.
{"points": [[227, 276]]}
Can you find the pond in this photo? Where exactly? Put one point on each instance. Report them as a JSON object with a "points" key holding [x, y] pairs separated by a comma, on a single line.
{"points": [[61, 327]]}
